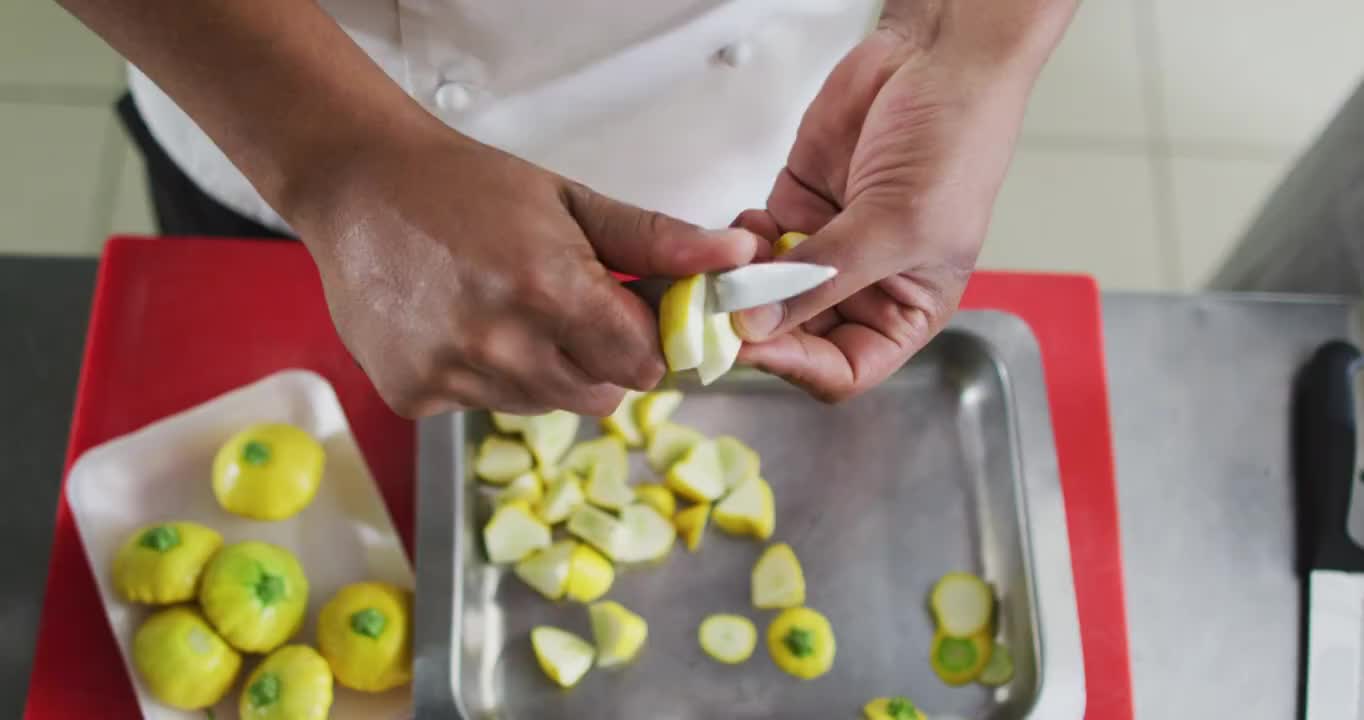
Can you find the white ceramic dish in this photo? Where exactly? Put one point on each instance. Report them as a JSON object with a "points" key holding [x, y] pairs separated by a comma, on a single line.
{"points": [[161, 472]]}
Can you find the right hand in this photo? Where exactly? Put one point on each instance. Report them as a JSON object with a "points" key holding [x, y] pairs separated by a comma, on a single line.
{"points": [[462, 277]]}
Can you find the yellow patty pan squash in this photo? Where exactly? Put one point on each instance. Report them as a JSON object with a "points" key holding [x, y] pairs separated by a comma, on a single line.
{"points": [[365, 632], [182, 661], [160, 564], [292, 683], [268, 472], [255, 595], [801, 642]]}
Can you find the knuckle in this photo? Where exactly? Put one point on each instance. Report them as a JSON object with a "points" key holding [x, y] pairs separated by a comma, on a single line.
{"points": [[540, 289], [408, 391], [835, 394], [650, 230], [552, 389], [433, 367], [559, 292], [648, 372], [826, 394], [492, 349], [406, 407], [547, 309], [479, 355], [829, 391], [461, 345], [898, 323], [756, 221], [650, 223], [460, 402], [520, 407], [582, 203], [504, 398], [637, 362], [417, 403], [601, 401]]}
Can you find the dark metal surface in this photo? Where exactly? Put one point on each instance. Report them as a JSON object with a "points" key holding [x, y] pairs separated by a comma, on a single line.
{"points": [[44, 307]]}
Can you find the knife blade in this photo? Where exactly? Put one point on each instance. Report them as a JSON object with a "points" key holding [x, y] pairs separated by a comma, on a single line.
{"points": [[1335, 631], [747, 286], [1329, 469], [763, 283]]}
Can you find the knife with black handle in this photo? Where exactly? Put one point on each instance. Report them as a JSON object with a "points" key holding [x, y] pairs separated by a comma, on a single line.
{"points": [[1328, 407]]}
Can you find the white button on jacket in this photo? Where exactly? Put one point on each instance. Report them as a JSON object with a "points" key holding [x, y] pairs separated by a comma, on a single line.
{"points": [[684, 106], [736, 54], [452, 97]]}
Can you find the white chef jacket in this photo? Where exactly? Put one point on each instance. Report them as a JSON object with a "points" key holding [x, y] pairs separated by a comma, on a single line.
{"points": [[688, 107]]}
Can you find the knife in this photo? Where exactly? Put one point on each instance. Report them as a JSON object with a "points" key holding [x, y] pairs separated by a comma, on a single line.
{"points": [[1329, 466], [747, 286]]}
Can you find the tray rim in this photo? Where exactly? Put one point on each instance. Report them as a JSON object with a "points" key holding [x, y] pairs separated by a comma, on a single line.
{"points": [[1014, 348]]}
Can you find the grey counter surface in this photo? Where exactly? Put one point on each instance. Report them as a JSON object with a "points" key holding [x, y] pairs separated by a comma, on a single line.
{"points": [[1200, 390]]}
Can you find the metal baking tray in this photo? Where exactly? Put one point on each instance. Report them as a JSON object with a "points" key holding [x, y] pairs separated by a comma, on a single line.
{"points": [[949, 465]]}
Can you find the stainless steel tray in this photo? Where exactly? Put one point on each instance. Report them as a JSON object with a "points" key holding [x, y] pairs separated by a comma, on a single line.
{"points": [[949, 465]]}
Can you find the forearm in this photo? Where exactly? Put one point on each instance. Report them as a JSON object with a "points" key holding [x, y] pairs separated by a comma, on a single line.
{"points": [[276, 84], [1017, 35]]}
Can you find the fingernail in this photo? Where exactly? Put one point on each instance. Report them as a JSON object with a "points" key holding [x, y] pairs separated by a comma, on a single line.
{"points": [[738, 245], [757, 323]]}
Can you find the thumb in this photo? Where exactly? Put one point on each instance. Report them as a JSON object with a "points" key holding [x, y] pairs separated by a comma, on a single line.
{"points": [[644, 243], [853, 244]]}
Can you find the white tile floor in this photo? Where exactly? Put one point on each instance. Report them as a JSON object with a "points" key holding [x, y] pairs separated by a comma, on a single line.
{"points": [[1152, 138]]}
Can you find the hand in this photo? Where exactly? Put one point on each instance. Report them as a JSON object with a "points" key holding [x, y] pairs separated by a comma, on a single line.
{"points": [[893, 173], [462, 277]]}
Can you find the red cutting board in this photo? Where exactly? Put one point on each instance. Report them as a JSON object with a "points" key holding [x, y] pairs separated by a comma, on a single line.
{"points": [[177, 322]]}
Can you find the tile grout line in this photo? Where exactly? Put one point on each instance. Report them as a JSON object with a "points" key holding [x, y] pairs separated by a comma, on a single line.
{"points": [[1158, 141], [75, 96], [1116, 145], [111, 160], [1083, 144], [1229, 149]]}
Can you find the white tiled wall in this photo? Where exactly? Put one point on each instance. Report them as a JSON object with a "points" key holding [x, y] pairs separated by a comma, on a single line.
{"points": [[1256, 72], [1214, 197], [46, 52], [1092, 88], [1153, 135], [1216, 96], [131, 212], [50, 184], [1080, 211], [61, 150]]}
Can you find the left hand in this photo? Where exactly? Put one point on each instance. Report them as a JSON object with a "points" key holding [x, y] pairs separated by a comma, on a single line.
{"points": [[893, 173]]}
